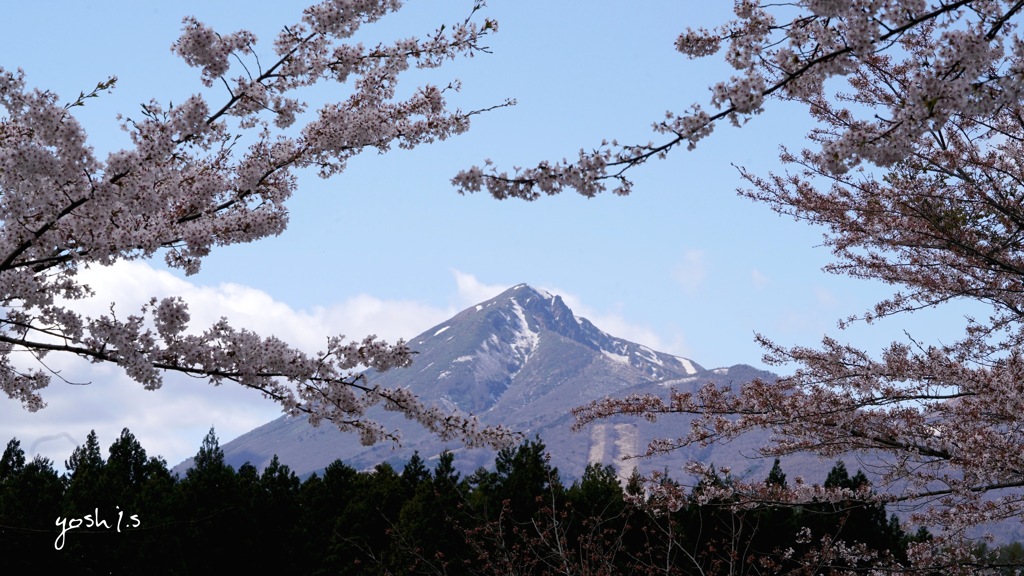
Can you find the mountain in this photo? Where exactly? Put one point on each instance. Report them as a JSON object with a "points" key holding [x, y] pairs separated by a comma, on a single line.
{"points": [[522, 359]]}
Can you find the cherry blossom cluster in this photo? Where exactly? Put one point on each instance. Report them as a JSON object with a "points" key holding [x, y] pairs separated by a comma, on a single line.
{"points": [[187, 184], [202, 47], [915, 175], [957, 51]]}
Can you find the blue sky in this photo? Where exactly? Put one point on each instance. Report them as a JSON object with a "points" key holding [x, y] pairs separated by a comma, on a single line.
{"points": [[683, 265]]}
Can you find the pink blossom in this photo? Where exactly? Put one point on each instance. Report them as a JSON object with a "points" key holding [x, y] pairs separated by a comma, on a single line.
{"points": [[185, 187]]}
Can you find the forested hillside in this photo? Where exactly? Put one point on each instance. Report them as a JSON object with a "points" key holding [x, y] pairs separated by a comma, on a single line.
{"points": [[127, 514]]}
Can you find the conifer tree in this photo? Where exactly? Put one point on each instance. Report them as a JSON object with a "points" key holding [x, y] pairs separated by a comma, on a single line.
{"points": [[12, 461], [212, 509], [776, 477], [277, 516], [31, 495], [87, 487]]}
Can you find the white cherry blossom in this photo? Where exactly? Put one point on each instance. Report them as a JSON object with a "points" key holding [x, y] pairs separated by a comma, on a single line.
{"points": [[915, 175], [188, 185]]}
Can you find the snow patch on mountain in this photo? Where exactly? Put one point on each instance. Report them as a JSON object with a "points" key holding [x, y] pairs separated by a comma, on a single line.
{"points": [[686, 364], [678, 381], [525, 339], [448, 403], [649, 355], [597, 440], [492, 340], [442, 329], [627, 444], [616, 357]]}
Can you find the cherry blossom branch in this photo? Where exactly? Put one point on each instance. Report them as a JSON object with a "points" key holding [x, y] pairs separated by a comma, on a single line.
{"points": [[740, 97], [186, 185], [916, 179]]}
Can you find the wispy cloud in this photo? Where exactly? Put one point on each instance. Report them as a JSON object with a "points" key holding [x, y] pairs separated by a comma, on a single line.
{"points": [[759, 280], [614, 323], [691, 272], [472, 291]]}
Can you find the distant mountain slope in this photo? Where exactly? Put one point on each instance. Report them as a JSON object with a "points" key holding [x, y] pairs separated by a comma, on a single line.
{"points": [[522, 359]]}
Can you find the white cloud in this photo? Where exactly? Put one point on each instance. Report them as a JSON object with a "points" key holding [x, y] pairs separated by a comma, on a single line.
{"points": [[172, 421], [131, 283], [759, 279], [617, 325], [824, 297], [472, 291], [692, 271], [389, 319], [807, 323]]}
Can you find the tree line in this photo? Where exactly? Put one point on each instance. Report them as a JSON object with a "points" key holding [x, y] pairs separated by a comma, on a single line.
{"points": [[129, 514]]}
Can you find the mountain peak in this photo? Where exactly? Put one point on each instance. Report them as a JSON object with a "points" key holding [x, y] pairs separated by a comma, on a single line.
{"points": [[524, 291], [522, 359], [526, 333], [550, 312]]}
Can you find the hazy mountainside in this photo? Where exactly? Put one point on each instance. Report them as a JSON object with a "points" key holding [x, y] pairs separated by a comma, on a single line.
{"points": [[522, 359]]}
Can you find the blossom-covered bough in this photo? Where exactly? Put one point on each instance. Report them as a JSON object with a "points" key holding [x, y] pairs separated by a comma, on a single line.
{"points": [[199, 176], [917, 177]]}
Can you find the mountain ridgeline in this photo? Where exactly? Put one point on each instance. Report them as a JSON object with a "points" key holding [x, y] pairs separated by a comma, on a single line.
{"points": [[523, 345], [524, 360]]}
